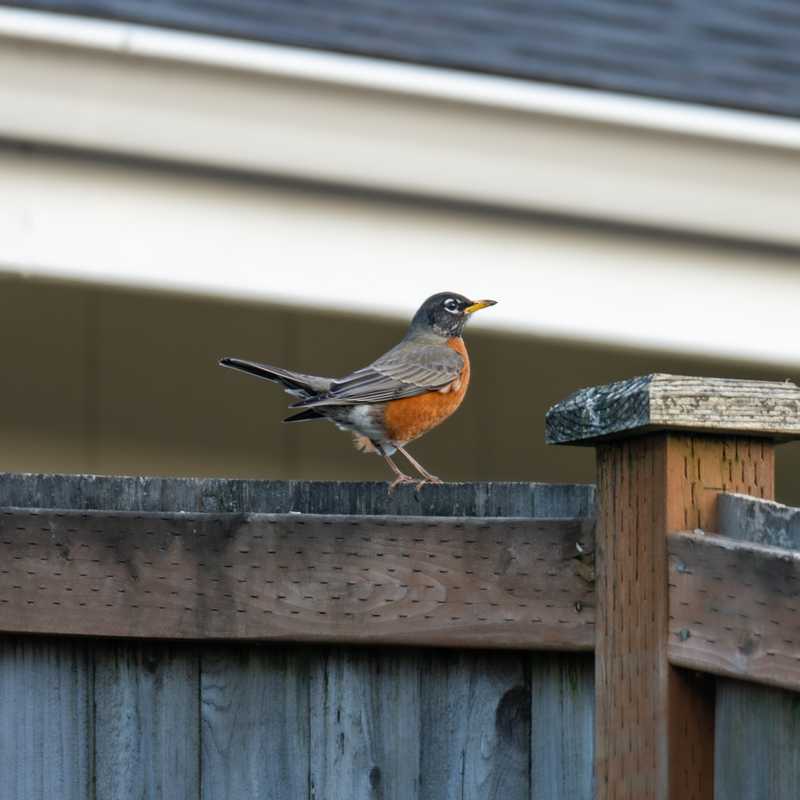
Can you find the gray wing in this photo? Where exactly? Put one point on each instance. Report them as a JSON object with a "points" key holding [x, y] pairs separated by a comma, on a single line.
{"points": [[405, 371]]}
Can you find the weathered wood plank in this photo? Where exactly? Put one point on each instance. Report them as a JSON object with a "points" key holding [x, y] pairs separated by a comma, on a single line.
{"points": [[735, 608], [752, 519], [562, 726], [218, 495], [476, 722], [365, 724], [757, 742], [562, 711], [757, 728], [147, 715], [677, 402], [255, 723], [450, 582], [46, 730]]}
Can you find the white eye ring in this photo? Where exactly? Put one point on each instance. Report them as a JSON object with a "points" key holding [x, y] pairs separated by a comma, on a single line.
{"points": [[451, 305]]}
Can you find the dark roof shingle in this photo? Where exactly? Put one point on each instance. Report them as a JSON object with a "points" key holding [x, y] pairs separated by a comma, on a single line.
{"points": [[736, 53]]}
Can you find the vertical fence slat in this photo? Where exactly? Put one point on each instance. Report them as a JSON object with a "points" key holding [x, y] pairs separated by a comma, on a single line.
{"points": [[757, 728], [146, 721], [45, 719], [562, 700], [757, 743], [254, 729], [562, 726], [475, 727], [365, 725]]}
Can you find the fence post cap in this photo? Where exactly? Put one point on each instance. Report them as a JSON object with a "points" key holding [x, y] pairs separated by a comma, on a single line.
{"points": [[676, 402]]}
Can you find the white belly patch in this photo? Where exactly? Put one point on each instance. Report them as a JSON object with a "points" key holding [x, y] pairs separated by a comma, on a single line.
{"points": [[363, 419]]}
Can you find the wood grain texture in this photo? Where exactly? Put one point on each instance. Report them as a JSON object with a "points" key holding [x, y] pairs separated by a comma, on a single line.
{"points": [[758, 742], [758, 728], [702, 468], [562, 726], [448, 582], [255, 723], [654, 726], [663, 402], [147, 715], [476, 722], [735, 609], [46, 719], [365, 725]]}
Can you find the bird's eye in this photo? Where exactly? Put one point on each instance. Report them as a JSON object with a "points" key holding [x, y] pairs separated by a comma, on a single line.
{"points": [[451, 305]]}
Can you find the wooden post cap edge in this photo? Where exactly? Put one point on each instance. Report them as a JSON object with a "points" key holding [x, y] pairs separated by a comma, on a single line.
{"points": [[676, 402]]}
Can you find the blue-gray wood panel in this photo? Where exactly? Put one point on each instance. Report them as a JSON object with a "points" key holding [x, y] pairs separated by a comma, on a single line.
{"points": [[738, 53], [99, 719], [46, 719], [146, 720]]}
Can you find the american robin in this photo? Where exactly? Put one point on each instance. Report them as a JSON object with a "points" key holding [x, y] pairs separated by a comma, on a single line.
{"points": [[402, 395]]}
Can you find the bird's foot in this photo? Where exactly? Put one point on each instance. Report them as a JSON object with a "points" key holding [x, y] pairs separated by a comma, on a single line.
{"points": [[399, 481], [429, 479]]}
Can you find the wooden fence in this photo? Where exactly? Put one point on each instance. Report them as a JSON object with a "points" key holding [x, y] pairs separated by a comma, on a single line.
{"points": [[169, 638]]}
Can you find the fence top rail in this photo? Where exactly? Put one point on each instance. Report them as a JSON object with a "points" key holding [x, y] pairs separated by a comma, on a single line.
{"points": [[755, 520], [220, 495]]}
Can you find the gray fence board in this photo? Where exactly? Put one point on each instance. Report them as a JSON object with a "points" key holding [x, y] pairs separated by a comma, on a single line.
{"points": [[562, 726], [761, 521], [365, 725], [475, 727], [757, 737], [46, 737], [255, 711], [757, 743], [146, 721]]}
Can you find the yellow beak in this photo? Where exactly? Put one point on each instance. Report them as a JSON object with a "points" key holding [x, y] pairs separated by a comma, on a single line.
{"points": [[479, 305]]}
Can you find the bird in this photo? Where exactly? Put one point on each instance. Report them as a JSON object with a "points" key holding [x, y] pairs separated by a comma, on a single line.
{"points": [[397, 398]]}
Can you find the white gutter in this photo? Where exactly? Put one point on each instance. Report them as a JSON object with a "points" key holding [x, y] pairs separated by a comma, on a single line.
{"points": [[103, 222], [156, 94]]}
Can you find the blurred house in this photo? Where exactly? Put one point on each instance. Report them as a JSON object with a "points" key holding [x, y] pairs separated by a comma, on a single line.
{"points": [[287, 181]]}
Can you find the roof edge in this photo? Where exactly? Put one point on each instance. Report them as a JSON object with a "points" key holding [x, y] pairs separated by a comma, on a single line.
{"points": [[659, 155]]}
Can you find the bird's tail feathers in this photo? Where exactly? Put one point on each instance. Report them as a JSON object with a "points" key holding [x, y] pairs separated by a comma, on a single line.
{"points": [[295, 383], [304, 416]]}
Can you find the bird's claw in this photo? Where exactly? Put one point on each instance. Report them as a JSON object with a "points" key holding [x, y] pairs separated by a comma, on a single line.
{"points": [[399, 481], [431, 479]]}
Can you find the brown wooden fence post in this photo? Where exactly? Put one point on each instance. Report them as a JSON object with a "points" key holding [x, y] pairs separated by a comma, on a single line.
{"points": [[666, 447]]}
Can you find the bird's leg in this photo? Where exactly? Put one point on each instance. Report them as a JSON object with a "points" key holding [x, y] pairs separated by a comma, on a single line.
{"points": [[400, 477], [426, 476]]}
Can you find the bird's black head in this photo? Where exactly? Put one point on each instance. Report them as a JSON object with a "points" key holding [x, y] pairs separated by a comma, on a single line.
{"points": [[446, 313]]}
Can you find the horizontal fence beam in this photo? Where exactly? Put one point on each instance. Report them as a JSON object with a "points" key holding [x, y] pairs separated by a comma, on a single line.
{"points": [[480, 582], [454, 582], [734, 609]]}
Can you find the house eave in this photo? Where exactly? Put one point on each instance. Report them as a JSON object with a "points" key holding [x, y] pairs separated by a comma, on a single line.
{"points": [[352, 121]]}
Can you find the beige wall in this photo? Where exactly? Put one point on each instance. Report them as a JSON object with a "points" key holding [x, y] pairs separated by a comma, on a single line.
{"points": [[112, 381]]}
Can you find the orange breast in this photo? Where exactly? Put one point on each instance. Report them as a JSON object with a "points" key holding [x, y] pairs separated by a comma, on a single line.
{"points": [[411, 417]]}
